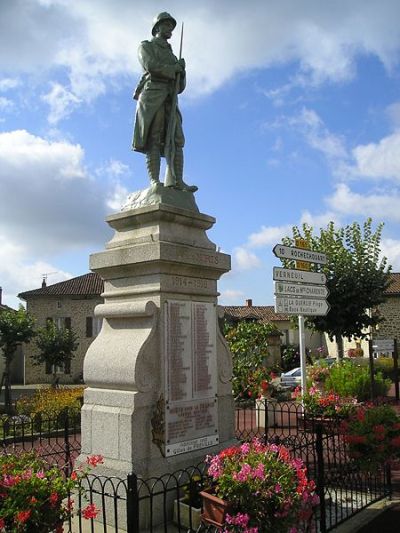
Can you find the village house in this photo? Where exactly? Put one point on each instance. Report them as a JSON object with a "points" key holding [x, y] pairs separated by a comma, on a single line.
{"points": [[71, 303]]}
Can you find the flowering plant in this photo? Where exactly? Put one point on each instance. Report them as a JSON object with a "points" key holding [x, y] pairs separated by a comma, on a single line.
{"points": [[317, 373], [373, 435], [257, 383], [325, 404], [36, 498], [266, 484]]}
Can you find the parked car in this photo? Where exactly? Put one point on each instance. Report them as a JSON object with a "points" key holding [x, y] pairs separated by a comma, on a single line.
{"points": [[292, 378]]}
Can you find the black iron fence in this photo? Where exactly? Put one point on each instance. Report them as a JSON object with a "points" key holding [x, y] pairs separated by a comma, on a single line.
{"points": [[168, 503]]}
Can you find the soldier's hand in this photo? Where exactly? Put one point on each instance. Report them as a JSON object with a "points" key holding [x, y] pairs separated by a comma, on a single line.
{"points": [[182, 63]]}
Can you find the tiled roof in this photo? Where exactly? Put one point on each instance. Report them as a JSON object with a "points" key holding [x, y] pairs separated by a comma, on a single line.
{"points": [[5, 308], [394, 287], [262, 313], [86, 285]]}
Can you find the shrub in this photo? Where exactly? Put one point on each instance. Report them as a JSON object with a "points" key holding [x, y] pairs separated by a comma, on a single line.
{"points": [[36, 498], [373, 435], [347, 379], [385, 366], [50, 402]]}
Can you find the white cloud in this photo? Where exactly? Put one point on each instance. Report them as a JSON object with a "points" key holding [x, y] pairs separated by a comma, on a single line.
{"points": [[18, 274], [8, 83], [231, 297], [268, 235], [245, 260], [5, 104], [61, 101], [376, 205], [52, 203], [393, 112], [390, 248], [95, 42], [319, 221], [318, 136], [378, 160], [117, 198]]}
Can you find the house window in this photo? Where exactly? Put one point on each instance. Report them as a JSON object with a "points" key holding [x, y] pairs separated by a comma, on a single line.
{"points": [[59, 304], [93, 326], [61, 322]]}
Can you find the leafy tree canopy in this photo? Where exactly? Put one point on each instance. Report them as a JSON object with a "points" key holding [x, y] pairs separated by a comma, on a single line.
{"points": [[16, 327], [56, 346], [357, 276]]}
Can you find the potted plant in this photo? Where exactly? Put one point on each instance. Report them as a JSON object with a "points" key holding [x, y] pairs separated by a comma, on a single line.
{"points": [[326, 408], [372, 434], [260, 488], [187, 509], [37, 499]]}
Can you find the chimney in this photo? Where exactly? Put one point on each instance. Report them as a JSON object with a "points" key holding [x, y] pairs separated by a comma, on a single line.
{"points": [[249, 303], [44, 283], [1, 293]]}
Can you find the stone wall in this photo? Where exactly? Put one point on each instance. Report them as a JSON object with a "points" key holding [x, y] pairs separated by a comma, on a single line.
{"points": [[77, 309], [390, 311]]}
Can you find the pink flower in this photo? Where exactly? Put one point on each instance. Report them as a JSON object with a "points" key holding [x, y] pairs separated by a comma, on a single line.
{"points": [[278, 487], [40, 474], [259, 471]]}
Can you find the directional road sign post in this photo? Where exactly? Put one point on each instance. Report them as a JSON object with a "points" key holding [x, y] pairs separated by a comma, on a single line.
{"points": [[290, 305], [300, 292], [299, 254]]}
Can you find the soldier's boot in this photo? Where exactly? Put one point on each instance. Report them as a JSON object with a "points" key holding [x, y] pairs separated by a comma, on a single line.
{"points": [[178, 167], [153, 160]]}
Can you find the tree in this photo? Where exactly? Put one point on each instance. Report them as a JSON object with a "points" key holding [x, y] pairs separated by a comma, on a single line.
{"points": [[357, 277], [56, 347], [248, 343], [16, 327]]}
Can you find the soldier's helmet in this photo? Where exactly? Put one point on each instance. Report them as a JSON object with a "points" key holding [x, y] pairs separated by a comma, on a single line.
{"points": [[159, 18]]}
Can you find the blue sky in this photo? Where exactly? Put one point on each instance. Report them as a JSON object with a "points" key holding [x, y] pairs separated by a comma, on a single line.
{"points": [[291, 114]]}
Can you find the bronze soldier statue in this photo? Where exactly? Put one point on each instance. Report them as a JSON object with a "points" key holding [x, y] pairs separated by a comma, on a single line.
{"points": [[158, 122]]}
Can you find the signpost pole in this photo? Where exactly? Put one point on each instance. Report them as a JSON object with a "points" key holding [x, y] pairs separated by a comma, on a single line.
{"points": [[302, 346], [371, 368], [396, 368]]}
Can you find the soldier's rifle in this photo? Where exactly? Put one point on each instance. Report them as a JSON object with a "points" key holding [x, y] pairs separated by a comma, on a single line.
{"points": [[169, 150]]}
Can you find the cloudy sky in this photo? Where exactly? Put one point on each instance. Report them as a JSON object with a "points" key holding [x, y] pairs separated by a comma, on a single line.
{"points": [[291, 114]]}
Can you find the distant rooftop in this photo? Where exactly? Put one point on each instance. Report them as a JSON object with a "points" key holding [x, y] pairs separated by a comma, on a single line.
{"points": [[394, 287], [87, 285], [262, 313]]}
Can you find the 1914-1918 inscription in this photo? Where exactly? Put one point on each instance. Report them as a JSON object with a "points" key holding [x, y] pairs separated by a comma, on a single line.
{"points": [[191, 375]]}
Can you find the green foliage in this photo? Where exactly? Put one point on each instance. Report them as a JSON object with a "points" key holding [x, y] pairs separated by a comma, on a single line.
{"points": [[290, 356], [16, 327], [51, 402], [356, 276], [248, 343], [56, 346], [348, 379]]}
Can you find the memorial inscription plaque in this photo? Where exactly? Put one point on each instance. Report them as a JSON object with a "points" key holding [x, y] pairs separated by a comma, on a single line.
{"points": [[191, 376]]}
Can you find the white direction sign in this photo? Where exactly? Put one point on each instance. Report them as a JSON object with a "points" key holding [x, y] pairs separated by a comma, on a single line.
{"points": [[298, 276], [301, 306], [299, 254], [300, 289], [383, 345]]}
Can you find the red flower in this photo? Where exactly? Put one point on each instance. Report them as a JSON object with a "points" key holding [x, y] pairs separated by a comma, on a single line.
{"points": [[74, 476], [90, 511], [53, 499], [395, 441], [23, 516], [59, 528], [2, 523], [94, 460], [33, 500]]}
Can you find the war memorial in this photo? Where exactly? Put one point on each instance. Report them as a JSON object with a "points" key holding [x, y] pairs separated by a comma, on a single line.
{"points": [[158, 394]]}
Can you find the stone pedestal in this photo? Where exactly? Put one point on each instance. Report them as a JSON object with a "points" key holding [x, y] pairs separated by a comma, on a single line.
{"points": [[153, 403]]}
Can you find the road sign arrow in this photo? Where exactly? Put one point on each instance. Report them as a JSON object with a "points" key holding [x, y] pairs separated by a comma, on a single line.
{"points": [[299, 254], [298, 276], [300, 289], [301, 306]]}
